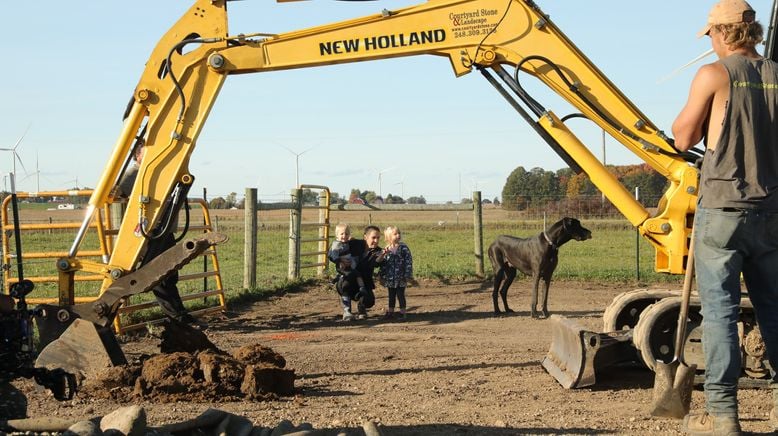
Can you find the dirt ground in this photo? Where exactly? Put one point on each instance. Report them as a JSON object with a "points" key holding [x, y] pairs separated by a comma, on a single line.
{"points": [[450, 368]]}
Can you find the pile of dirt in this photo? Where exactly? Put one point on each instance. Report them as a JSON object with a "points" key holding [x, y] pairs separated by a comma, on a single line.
{"points": [[191, 368]]}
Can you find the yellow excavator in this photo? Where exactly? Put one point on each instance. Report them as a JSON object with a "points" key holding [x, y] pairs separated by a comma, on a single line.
{"points": [[503, 40]]}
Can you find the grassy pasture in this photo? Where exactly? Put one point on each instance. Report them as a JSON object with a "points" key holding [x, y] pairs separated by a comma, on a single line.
{"points": [[442, 243]]}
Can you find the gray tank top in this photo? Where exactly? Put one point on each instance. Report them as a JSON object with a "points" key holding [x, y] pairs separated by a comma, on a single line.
{"points": [[743, 170]]}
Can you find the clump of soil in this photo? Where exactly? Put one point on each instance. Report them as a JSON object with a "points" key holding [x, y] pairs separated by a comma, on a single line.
{"points": [[192, 368]]}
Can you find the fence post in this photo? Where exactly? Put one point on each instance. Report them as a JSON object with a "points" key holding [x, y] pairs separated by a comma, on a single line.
{"points": [[478, 235], [205, 258], [250, 239], [295, 221]]}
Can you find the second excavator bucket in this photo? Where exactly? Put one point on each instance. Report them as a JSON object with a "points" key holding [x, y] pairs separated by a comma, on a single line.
{"points": [[576, 355], [84, 348]]}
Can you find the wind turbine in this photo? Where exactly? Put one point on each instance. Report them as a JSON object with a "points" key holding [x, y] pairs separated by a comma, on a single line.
{"points": [[402, 187], [380, 173], [67, 182], [15, 154], [297, 163], [37, 175]]}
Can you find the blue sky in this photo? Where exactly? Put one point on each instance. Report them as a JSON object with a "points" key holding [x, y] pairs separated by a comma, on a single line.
{"points": [[70, 68]]}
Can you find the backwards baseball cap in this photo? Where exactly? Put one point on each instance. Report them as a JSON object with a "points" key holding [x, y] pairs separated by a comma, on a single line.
{"points": [[728, 12]]}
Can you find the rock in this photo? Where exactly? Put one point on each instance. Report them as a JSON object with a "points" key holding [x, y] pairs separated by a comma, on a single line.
{"points": [[260, 380], [260, 431], [238, 426], [180, 337], [83, 428], [283, 428], [13, 403], [305, 426], [256, 354], [130, 421], [206, 419], [370, 429], [218, 368]]}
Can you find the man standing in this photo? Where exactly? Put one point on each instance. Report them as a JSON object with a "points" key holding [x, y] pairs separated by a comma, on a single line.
{"points": [[166, 292], [733, 106], [369, 255]]}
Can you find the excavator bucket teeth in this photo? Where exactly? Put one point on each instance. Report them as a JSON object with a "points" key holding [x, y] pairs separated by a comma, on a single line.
{"points": [[575, 354], [84, 348]]}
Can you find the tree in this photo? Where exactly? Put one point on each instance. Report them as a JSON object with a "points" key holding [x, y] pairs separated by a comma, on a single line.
{"points": [[394, 199], [218, 203], [231, 200], [336, 199], [370, 196], [578, 185], [417, 200], [524, 187], [650, 183], [310, 197]]}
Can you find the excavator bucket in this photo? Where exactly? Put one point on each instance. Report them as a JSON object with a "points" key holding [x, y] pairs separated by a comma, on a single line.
{"points": [[84, 348], [80, 338], [576, 355]]}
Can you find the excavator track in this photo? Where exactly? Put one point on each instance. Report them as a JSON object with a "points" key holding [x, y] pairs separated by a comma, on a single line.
{"points": [[655, 332], [624, 311]]}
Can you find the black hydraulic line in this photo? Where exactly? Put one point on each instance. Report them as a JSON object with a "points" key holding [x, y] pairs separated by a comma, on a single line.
{"points": [[689, 156], [769, 49], [534, 124], [533, 104], [575, 115]]}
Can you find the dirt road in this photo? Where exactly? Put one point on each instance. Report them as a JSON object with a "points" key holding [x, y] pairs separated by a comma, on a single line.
{"points": [[449, 368]]}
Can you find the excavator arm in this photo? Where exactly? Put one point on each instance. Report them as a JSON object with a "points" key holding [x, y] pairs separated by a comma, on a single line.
{"points": [[503, 39]]}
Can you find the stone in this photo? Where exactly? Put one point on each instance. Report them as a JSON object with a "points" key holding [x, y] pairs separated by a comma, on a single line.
{"points": [[84, 428], [130, 421]]}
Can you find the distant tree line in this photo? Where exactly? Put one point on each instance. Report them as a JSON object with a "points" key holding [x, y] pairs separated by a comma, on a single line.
{"points": [[537, 187], [523, 190]]}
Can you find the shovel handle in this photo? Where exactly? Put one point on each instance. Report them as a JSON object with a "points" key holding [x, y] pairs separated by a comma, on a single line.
{"points": [[680, 334]]}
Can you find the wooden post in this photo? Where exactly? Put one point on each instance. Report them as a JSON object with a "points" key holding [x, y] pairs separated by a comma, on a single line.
{"points": [[478, 235], [324, 232], [205, 258], [295, 221], [250, 239]]}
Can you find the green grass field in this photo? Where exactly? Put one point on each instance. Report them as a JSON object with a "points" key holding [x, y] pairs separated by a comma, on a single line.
{"points": [[441, 252]]}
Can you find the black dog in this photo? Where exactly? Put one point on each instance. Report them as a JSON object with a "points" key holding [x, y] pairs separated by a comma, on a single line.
{"points": [[535, 256]]}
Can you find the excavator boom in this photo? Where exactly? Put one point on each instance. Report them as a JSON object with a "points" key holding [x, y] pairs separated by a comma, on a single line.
{"points": [[502, 39]]}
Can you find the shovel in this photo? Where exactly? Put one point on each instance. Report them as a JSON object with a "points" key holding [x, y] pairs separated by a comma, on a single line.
{"points": [[673, 381]]}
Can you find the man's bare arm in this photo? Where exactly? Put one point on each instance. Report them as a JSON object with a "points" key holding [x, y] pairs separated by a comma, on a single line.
{"points": [[690, 125]]}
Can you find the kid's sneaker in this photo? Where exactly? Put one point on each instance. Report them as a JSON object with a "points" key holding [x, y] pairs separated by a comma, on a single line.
{"points": [[347, 315]]}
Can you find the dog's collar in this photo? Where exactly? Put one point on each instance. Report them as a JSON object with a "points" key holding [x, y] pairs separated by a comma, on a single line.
{"points": [[550, 242]]}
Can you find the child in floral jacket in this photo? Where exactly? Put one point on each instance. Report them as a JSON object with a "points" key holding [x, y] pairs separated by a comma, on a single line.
{"points": [[396, 270]]}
